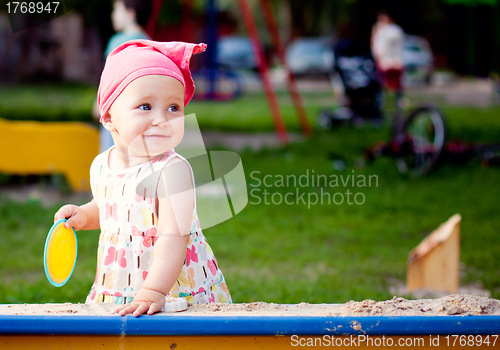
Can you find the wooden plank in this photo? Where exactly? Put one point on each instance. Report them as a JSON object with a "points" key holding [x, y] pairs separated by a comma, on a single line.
{"points": [[434, 263]]}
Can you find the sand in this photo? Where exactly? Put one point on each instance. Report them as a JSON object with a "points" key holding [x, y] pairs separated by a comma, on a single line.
{"points": [[458, 304]]}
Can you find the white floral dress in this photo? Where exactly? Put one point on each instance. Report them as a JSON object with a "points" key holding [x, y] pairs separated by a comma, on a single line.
{"points": [[129, 231]]}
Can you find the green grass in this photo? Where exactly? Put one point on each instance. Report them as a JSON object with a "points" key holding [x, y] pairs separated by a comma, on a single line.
{"points": [[292, 253], [47, 103], [24, 227], [473, 124], [335, 253]]}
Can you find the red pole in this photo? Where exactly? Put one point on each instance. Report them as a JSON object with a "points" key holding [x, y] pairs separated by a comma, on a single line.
{"points": [[264, 72], [187, 25], [292, 85], [155, 13]]}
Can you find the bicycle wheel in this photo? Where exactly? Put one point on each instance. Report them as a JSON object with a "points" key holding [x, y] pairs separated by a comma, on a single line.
{"points": [[424, 135]]}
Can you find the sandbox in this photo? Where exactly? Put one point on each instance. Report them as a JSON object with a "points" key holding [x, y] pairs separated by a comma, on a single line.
{"points": [[453, 321]]}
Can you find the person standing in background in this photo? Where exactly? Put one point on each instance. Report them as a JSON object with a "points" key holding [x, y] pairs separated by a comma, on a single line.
{"points": [[129, 17], [387, 41]]}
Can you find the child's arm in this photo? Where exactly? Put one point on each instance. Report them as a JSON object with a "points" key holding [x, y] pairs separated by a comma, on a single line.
{"points": [[169, 255], [85, 217], [174, 224]]}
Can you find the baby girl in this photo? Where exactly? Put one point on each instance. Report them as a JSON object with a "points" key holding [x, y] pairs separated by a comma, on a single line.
{"points": [[151, 245]]}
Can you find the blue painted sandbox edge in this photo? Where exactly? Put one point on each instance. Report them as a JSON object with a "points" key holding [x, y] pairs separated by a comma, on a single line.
{"points": [[249, 325]]}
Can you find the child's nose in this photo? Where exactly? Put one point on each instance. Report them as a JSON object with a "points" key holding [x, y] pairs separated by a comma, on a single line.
{"points": [[159, 119]]}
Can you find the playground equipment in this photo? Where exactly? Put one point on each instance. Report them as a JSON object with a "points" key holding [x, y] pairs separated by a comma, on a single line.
{"points": [[45, 148], [264, 72]]}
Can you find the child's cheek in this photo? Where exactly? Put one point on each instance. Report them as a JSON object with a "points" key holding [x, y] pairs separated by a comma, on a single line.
{"points": [[178, 131]]}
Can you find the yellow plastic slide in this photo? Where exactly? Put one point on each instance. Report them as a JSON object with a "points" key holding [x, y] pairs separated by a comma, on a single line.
{"points": [[38, 148]]}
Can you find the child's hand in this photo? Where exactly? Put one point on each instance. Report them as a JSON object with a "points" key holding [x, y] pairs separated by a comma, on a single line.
{"points": [[77, 217], [146, 300]]}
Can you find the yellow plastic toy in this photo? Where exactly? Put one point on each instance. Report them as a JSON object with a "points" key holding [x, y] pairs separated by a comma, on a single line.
{"points": [[61, 250], [38, 148]]}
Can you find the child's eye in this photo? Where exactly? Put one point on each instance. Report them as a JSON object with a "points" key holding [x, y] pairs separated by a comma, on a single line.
{"points": [[145, 107], [173, 108]]}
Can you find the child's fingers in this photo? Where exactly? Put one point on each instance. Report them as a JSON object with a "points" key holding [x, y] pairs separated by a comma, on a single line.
{"points": [[74, 215], [74, 221], [136, 308], [120, 308], [65, 212], [142, 308], [60, 214], [154, 308], [126, 309]]}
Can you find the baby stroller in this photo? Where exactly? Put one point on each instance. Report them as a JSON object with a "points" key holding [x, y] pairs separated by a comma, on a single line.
{"points": [[355, 66]]}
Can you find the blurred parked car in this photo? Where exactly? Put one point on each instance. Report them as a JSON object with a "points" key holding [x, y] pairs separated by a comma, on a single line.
{"points": [[236, 52], [418, 60], [310, 56]]}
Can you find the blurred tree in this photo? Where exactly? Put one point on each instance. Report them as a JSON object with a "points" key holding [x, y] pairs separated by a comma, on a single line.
{"points": [[305, 15], [97, 14], [474, 34]]}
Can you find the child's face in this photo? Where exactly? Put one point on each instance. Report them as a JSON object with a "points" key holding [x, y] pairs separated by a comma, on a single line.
{"points": [[121, 17], [147, 118]]}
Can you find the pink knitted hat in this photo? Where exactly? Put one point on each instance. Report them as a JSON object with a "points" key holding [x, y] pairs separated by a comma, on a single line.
{"points": [[137, 58]]}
